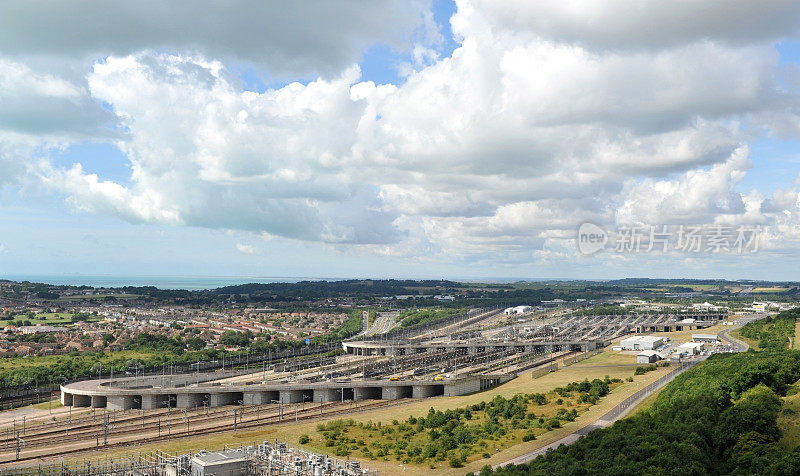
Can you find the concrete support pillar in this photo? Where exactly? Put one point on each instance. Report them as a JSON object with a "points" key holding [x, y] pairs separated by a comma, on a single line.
{"points": [[360, 393], [261, 397], [66, 399], [190, 400], [390, 393], [326, 395], [292, 396], [150, 402], [98, 401], [81, 400], [462, 387], [394, 392], [119, 402]]}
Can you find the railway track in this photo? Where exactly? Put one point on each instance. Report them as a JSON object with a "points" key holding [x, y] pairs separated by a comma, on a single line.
{"points": [[118, 426], [125, 437]]}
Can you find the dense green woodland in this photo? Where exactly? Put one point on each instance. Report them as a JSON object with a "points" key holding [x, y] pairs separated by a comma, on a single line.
{"points": [[717, 418]]}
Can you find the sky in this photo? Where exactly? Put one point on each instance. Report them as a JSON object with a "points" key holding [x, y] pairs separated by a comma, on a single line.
{"points": [[419, 139]]}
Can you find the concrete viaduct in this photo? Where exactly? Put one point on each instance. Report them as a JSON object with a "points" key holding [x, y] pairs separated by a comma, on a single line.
{"points": [[148, 393], [411, 347]]}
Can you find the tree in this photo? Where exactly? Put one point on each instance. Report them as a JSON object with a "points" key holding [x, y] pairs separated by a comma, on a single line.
{"points": [[195, 343]]}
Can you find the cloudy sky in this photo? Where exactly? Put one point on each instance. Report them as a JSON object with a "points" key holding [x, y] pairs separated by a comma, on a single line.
{"points": [[395, 139]]}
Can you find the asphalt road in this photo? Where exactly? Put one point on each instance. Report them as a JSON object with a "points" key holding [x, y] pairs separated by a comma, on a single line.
{"points": [[383, 323]]}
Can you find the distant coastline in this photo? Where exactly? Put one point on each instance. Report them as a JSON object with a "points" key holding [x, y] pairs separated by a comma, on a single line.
{"points": [[198, 283], [191, 283]]}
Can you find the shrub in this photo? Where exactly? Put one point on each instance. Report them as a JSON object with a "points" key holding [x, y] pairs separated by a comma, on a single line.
{"points": [[304, 439]]}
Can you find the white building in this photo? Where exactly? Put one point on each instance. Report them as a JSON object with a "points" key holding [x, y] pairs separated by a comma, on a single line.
{"points": [[641, 343], [710, 338], [40, 329], [708, 307], [647, 357], [518, 310], [691, 348]]}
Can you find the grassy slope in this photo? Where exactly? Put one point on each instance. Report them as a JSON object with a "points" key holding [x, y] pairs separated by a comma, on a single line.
{"points": [[796, 342], [738, 335], [789, 422], [8, 363]]}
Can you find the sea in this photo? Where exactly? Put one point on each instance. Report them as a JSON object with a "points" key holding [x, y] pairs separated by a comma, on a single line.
{"points": [[191, 283]]}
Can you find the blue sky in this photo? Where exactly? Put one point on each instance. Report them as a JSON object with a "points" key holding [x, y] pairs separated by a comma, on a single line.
{"points": [[372, 198]]}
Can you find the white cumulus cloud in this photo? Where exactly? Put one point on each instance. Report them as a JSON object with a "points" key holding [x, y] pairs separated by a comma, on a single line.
{"points": [[546, 115], [247, 249]]}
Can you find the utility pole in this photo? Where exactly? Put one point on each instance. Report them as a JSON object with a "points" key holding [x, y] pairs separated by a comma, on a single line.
{"points": [[20, 442]]}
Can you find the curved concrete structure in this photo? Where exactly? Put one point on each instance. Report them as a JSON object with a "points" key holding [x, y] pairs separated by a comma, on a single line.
{"points": [[184, 392], [410, 347]]}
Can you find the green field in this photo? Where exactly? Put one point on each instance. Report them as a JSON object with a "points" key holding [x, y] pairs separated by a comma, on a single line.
{"points": [[46, 318]]}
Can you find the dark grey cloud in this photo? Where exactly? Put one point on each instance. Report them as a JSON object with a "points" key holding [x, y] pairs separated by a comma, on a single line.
{"points": [[648, 24], [285, 37]]}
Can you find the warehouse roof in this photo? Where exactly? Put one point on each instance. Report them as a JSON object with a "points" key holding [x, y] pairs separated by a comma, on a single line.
{"points": [[690, 345], [644, 338], [704, 336]]}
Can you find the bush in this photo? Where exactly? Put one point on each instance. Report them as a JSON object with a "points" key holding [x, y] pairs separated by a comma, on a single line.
{"points": [[455, 462], [529, 436], [643, 370], [304, 439]]}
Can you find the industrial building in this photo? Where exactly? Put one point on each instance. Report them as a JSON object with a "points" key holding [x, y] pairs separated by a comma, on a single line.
{"points": [[222, 463], [641, 343], [691, 348], [709, 338], [647, 357]]}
